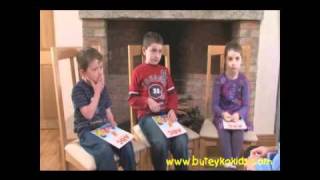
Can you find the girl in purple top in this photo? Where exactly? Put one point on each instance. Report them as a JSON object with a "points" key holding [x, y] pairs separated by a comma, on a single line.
{"points": [[231, 102]]}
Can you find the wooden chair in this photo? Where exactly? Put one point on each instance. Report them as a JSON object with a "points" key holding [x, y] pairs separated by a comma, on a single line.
{"points": [[194, 138], [73, 156], [208, 132]]}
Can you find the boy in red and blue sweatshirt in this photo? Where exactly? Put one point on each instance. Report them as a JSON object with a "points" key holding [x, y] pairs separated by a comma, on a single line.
{"points": [[152, 92]]}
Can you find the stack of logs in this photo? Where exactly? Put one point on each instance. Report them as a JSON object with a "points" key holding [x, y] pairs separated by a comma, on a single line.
{"points": [[188, 114]]}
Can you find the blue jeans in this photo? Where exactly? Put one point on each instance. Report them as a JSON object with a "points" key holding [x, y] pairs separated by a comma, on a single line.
{"points": [[160, 145], [103, 153]]}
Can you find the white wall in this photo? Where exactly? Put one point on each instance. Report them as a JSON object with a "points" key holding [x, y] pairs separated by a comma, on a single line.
{"points": [[268, 73], [68, 28]]}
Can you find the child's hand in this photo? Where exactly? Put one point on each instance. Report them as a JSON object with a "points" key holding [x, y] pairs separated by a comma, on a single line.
{"points": [[113, 123], [235, 117], [259, 152], [226, 116], [172, 116], [97, 87], [153, 105], [110, 117]]}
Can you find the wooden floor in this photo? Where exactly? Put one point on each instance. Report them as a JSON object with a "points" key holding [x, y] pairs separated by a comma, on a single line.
{"points": [[49, 150], [50, 156]]}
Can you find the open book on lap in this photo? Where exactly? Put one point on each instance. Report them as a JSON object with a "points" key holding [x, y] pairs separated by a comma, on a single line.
{"points": [[231, 125], [113, 135], [169, 129]]}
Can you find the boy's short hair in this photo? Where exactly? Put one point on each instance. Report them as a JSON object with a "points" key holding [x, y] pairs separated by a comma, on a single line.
{"points": [[232, 45], [151, 37], [86, 56]]}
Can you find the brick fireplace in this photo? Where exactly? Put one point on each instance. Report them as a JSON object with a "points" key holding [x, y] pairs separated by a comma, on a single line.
{"points": [[187, 32]]}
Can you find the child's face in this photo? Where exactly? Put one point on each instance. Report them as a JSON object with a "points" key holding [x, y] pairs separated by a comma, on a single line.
{"points": [[233, 61], [153, 53], [94, 71]]}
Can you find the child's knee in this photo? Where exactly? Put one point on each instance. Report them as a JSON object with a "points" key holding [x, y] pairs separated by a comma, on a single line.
{"points": [[182, 140], [160, 144], [128, 148], [103, 149]]}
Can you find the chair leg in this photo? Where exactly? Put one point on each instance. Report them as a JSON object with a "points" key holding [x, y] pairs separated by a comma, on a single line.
{"points": [[143, 160], [191, 149], [196, 151], [148, 163], [148, 160], [197, 146], [194, 146], [203, 147], [139, 164]]}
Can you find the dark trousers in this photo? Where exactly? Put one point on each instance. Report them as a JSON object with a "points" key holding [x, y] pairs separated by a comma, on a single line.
{"points": [[230, 142]]}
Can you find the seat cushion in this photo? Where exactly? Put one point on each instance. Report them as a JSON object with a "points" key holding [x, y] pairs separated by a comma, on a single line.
{"points": [[74, 152], [250, 136], [139, 136], [208, 130], [191, 134], [138, 146]]}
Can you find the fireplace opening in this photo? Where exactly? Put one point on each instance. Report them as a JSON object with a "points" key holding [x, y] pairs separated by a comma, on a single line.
{"points": [[188, 41]]}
